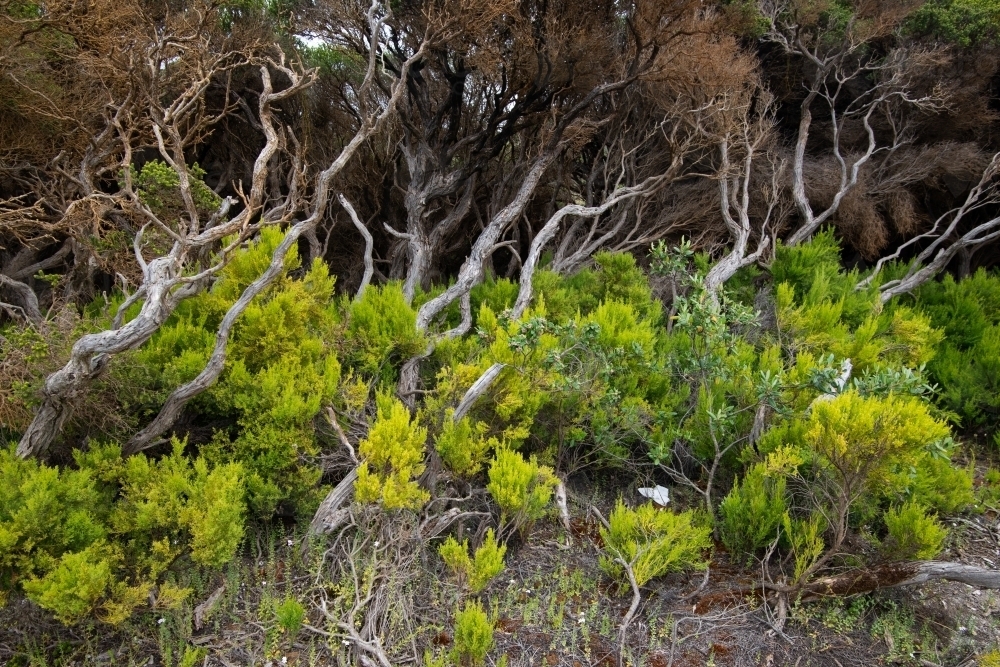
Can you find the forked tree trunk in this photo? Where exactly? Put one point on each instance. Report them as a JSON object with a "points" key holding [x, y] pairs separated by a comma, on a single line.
{"points": [[63, 387]]}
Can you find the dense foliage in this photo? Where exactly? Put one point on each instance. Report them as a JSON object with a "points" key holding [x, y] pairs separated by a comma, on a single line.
{"points": [[403, 286]]}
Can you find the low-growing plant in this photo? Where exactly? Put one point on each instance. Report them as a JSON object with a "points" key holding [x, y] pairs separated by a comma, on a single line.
{"points": [[290, 615], [463, 446], [652, 542], [473, 634], [392, 457], [99, 537], [912, 533], [475, 572], [753, 512], [522, 488]]}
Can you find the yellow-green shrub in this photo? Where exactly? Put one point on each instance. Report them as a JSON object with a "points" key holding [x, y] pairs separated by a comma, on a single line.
{"points": [[280, 369], [752, 514], [521, 488], [653, 542], [381, 332], [463, 446], [392, 457], [473, 634], [479, 570], [912, 533], [95, 539]]}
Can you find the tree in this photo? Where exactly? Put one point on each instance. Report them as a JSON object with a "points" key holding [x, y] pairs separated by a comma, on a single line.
{"points": [[167, 279], [854, 82]]}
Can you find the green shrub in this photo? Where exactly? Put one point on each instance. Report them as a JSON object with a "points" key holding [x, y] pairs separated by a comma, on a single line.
{"points": [[97, 538], [479, 570], [462, 446], [805, 540], [967, 365], [290, 615], [964, 22], [653, 542], [392, 457], [990, 659], [912, 533], [381, 332], [159, 189], [74, 585], [752, 514], [521, 488], [280, 369], [473, 634]]}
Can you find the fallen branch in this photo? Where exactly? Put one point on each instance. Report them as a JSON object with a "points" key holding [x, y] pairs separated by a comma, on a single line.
{"points": [[893, 575]]}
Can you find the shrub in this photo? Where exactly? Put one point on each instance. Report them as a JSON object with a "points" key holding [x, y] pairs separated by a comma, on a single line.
{"points": [[381, 330], [290, 615], [462, 446], [392, 458], [653, 542], [752, 514], [479, 570], [967, 366], [805, 539], [912, 533], [99, 537], [280, 369], [473, 634], [521, 488]]}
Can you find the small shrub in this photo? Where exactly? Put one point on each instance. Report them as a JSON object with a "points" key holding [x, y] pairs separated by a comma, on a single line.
{"points": [[990, 659], [381, 330], [462, 446], [912, 533], [751, 515], [521, 488], [805, 537], [473, 634], [290, 614], [989, 492], [478, 570], [653, 542], [97, 538], [392, 458]]}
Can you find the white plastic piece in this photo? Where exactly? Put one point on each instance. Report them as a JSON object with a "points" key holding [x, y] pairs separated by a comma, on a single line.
{"points": [[658, 494]]}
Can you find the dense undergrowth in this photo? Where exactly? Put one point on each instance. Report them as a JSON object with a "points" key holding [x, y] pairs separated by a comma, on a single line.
{"points": [[800, 422]]}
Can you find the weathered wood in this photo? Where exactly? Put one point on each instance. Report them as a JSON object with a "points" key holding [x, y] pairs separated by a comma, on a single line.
{"points": [[329, 515], [369, 245], [180, 396], [893, 575], [478, 388]]}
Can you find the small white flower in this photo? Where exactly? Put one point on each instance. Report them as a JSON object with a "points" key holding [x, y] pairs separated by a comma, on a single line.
{"points": [[345, 642], [263, 583], [160, 621], [291, 542], [376, 543], [284, 660], [512, 581]]}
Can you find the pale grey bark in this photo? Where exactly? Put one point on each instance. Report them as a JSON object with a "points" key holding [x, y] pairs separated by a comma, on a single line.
{"points": [[164, 281], [472, 271], [551, 228], [837, 63], [180, 396], [369, 245], [734, 195], [944, 247], [26, 298], [893, 575]]}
